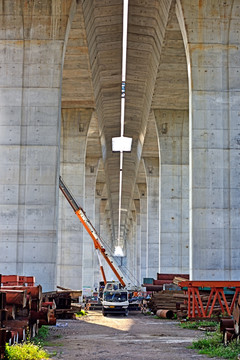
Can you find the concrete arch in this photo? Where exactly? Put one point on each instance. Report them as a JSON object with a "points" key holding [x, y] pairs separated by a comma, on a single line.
{"points": [[213, 137], [32, 42]]}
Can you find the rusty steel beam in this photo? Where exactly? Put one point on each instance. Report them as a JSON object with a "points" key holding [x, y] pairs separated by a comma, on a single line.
{"points": [[16, 297], [195, 304], [34, 291]]}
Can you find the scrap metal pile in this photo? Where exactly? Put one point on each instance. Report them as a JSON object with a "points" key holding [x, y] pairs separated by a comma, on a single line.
{"points": [[64, 298], [194, 299], [22, 309]]}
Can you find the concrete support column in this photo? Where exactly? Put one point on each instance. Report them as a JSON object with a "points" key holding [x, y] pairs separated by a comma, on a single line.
{"points": [[75, 123], [172, 128], [89, 251], [138, 241], [153, 224], [144, 229], [106, 236], [30, 81], [213, 64], [99, 191], [131, 250]]}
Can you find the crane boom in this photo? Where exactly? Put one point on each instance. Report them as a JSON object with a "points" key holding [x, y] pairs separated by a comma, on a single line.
{"points": [[91, 230]]}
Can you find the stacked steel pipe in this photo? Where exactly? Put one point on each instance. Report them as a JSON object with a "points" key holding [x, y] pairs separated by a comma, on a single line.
{"points": [[162, 279], [21, 302]]}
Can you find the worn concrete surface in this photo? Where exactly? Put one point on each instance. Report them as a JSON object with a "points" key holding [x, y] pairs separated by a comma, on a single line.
{"points": [[136, 337], [61, 59]]}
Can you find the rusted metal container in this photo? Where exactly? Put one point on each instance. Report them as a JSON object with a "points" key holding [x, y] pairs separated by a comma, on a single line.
{"points": [[165, 314]]}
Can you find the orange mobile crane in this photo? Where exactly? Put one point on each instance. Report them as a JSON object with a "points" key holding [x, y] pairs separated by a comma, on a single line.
{"points": [[93, 233]]}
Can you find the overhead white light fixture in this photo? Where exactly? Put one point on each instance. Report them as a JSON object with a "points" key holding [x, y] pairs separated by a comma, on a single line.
{"points": [[118, 251], [121, 143]]}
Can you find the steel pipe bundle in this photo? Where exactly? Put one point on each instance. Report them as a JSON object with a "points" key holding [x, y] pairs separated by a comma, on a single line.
{"points": [[21, 309]]}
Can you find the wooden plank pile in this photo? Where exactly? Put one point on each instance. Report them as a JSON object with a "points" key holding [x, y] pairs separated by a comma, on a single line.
{"points": [[165, 300]]}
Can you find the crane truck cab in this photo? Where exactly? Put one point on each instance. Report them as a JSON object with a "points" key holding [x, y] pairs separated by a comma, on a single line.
{"points": [[115, 299]]}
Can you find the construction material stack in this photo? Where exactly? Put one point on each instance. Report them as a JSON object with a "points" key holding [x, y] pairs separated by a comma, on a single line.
{"points": [[165, 300], [163, 282], [22, 309], [63, 300]]}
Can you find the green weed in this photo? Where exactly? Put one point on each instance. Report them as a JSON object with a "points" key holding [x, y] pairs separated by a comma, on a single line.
{"points": [[197, 324], [81, 313], [213, 346], [42, 335], [25, 351]]}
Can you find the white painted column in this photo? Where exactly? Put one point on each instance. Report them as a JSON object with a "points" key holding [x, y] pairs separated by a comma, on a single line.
{"points": [[153, 224]]}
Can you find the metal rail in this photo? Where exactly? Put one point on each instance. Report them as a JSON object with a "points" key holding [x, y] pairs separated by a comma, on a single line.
{"points": [[91, 230]]}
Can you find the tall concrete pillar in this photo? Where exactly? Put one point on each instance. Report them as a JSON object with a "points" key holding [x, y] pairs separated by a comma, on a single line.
{"points": [[30, 80], [75, 124], [138, 242], [172, 128], [131, 250], [153, 223], [105, 234], [144, 229], [89, 251], [212, 47]]}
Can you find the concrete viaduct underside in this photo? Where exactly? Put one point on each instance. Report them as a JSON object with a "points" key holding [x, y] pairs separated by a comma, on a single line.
{"points": [[60, 94]]}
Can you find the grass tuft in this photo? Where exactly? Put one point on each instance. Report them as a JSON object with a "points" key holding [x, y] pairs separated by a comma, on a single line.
{"points": [[41, 337], [197, 324], [25, 351], [81, 313], [213, 346]]}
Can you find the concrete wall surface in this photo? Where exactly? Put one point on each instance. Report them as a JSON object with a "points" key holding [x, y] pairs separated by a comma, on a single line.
{"points": [[60, 107]]}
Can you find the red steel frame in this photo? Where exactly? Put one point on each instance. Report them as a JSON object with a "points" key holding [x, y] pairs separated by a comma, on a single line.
{"points": [[195, 304]]}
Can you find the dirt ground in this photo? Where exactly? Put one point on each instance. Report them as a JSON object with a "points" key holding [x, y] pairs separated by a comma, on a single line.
{"points": [[136, 337]]}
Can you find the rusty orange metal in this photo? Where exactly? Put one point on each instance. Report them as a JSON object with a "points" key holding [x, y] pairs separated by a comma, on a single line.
{"points": [[195, 304]]}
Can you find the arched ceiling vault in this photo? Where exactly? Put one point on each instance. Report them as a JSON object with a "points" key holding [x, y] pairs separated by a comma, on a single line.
{"points": [[92, 79]]}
